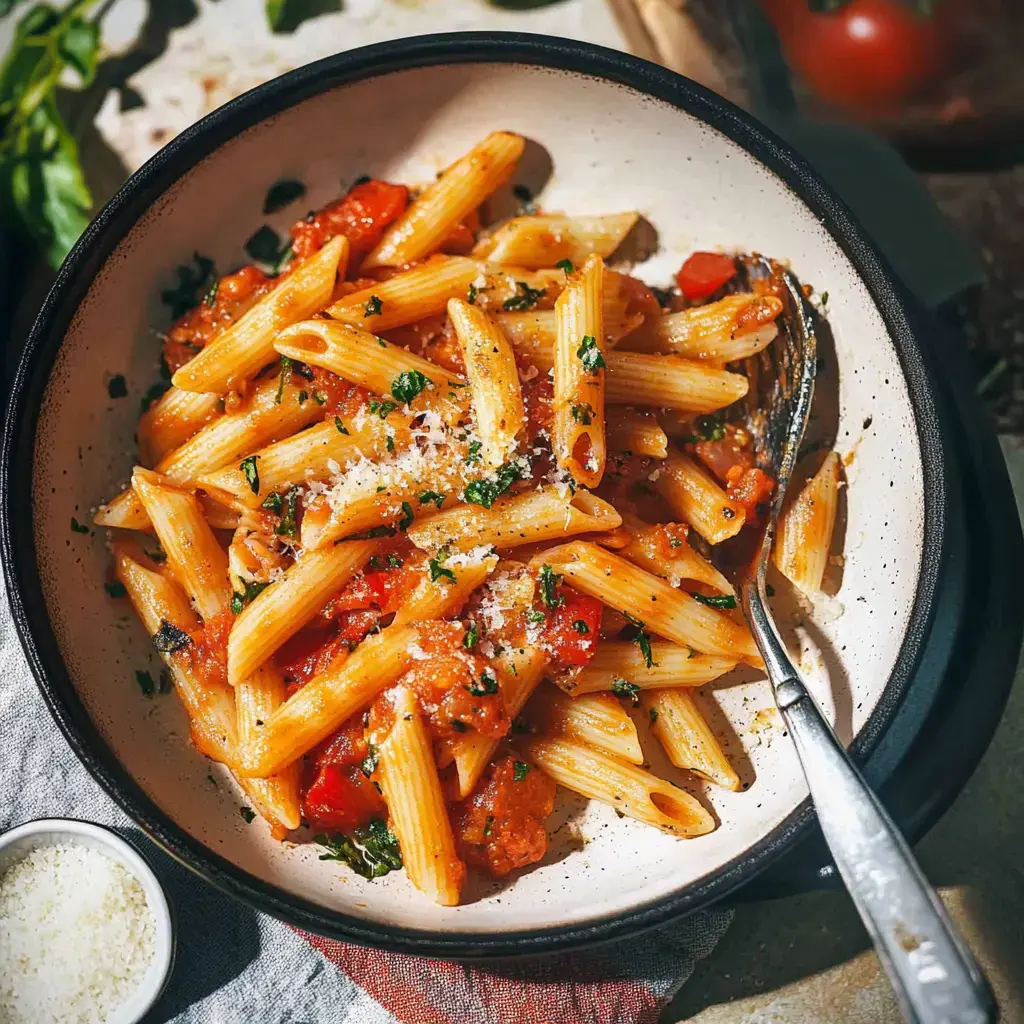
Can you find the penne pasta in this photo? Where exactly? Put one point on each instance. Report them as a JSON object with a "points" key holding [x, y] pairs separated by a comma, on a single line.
{"points": [[636, 433], [542, 240], [629, 789], [415, 294], [670, 613], [618, 662], [443, 598], [415, 801], [678, 725], [597, 719], [805, 528], [670, 382], [281, 610], [237, 354], [577, 432], [695, 497], [527, 518], [256, 699], [493, 382], [194, 555], [310, 715], [443, 204], [172, 419], [377, 365], [533, 333]]}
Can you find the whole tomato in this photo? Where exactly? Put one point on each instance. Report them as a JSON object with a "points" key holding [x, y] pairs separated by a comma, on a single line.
{"points": [[862, 55]]}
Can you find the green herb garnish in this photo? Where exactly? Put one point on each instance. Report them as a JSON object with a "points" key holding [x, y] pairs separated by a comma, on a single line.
{"points": [[469, 641], [406, 521], [471, 294], [652, 715], [426, 497], [266, 248], [526, 297], [368, 765], [486, 491], [77, 527], [373, 306], [437, 571], [486, 685], [716, 601], [285, 377], [590, 355], [289, 525], [253, 589], [624, 688], [252, 475], [382, 409], [549, 580], [520, 769], [282, 193], [580, 626], [342, 429], [408, 384], [248, 814], [169, 638]]}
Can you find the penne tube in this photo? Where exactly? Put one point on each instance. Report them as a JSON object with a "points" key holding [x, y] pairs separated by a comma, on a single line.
{"points": [[413, 295], [636, 433], [543, 240], [577, 431], [259, 419], [687, 738], [804, 534], [281, 610], [500, 288], [244, 348], [442, 598], [313, 454], [219, 516], [311, 714], [664, 610], [256, 699], [520, 671], [443, 204], [377, 365], [671, 666], [172, 419], [533, 333], [629, 789], [527, 518], [670, 382], [661, 550], [597, 719], [412, 790], [194, 555], [725, 331], [494, 390], [695, 497]]}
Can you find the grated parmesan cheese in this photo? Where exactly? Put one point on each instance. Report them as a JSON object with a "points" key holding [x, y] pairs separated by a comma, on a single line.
{"points": [[76, 937]]}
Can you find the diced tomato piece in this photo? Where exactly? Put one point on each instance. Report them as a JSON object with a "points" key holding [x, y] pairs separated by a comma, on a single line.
{"points": [[730, 453], [379, 588], [340, 798], [346, 746], [361, 216], [341, 398], [704, 273], [570, 631], [208, 651], [750, 487]]}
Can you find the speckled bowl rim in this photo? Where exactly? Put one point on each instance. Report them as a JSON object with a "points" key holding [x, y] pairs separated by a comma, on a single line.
{"points": [[113, 223], [165, 924]]}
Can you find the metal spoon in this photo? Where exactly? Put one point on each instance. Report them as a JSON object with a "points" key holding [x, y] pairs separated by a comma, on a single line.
{"points": [[936, 979]]}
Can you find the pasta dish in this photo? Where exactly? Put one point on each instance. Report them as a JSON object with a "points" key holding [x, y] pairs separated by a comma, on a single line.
{"points": [[423, 521]]}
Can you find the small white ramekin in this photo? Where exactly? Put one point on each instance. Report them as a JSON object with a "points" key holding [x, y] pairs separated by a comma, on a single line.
{"points": [[22, 839]]}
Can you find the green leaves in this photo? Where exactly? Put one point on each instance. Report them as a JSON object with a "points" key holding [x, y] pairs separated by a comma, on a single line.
{"points": [[266, 249], [281, 193], [192, 285], [371, 851]]}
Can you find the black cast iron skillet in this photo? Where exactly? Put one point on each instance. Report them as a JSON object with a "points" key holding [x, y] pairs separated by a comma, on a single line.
{"points": [[144, 187]]}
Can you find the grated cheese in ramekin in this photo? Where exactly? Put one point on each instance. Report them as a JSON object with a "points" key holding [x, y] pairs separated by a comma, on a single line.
{"points": [[77, 936]]}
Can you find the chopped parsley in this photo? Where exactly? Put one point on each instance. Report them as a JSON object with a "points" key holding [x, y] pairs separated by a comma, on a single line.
{"points": [[168, 638], [319, 397], [459, 726], [368, 765], [282, 193], [824, 298], [382, 409], [115, 589], [253, 589], [709, 428], [641, 638], [624, 688], [457, 384], [273, 503], [469, 641], [486, 685], [437, 571], [77, 527], [303, 397], [566, 266], [266, 248], [185, 295], [716, 601], [525, 298], [549, 580], [146, 684], [252, 475], [652, 714], [117, 387], [373, 306], [675, 542], [582, 412], [371, 851], [406, 521], [486, 491], [590, 355], [285, 377], [248, 814], [408, 384], [342, 429], [426, 497], [488, 824], [289, 525], [389, 442], [580, 626], [471, 294], [520, 769], [474, 451], [533, 615]]}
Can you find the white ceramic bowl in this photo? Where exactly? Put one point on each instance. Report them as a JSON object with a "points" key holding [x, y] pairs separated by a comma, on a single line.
{"points": [[620, 135], [21, 840]]}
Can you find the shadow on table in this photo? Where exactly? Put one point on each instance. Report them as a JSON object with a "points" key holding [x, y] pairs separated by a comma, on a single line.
{"points": [[218, 937]]}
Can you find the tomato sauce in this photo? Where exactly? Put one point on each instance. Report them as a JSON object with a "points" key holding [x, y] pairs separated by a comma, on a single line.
{"points": [[208, 652], [731, 459], [570, 631], [500, 825], [361, 215], [342, 398]]}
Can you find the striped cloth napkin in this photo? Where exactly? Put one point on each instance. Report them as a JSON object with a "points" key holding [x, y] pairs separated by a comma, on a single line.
{"points": [[234, 965]]}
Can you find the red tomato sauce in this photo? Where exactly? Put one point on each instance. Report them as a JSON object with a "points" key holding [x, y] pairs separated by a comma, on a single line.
{"points": [[342, 398], [500, 825], [731, 459], [208, 651], [336, 793], [361, 215], [570, 631]]}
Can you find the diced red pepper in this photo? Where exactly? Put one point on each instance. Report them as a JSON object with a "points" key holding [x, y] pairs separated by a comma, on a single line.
{"points": [[704, 273]]}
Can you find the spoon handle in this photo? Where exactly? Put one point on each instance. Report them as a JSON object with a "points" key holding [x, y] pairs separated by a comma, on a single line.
{"points": [[936, 979]]}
